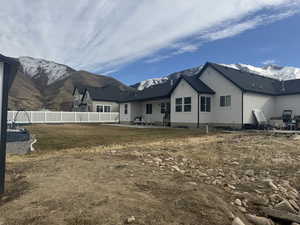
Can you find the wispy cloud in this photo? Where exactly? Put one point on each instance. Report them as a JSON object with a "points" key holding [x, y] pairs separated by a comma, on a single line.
{"points": [[106, 34], [269, 62]]}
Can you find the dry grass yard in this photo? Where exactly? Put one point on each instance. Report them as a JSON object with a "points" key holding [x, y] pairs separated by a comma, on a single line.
{"points": [[114, 176]]}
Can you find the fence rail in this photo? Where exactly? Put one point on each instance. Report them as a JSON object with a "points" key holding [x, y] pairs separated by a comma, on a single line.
{"points": [[26, 117]]}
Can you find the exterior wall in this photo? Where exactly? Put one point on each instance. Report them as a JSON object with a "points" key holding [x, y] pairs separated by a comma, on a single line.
{"points": [[114, 105], [183, 89], [291, 102], [231, 115], [206, 117], [266, 103], [134, 109], [156, 116]]}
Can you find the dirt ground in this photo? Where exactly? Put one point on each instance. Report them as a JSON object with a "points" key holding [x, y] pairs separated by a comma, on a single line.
{"points": [[170, 181]]}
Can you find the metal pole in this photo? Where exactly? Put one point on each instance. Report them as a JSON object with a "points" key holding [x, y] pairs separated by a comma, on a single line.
{"points": [[3, 124]]}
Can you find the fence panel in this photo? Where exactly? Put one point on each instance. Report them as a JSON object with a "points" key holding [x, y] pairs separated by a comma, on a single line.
{"points": [[61, 117]]}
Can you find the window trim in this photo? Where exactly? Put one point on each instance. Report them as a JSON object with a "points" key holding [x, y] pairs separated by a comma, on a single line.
{"points": [[103, 108], [207, 107], [178, 104], [225, 101], [187, 104]]}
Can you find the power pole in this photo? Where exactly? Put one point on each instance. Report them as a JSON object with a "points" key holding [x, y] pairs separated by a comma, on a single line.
{"points": [[8, 70]]}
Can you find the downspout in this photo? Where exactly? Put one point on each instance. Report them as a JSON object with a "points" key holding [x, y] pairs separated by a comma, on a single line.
{"points": [[198, 122], [242, 109]]}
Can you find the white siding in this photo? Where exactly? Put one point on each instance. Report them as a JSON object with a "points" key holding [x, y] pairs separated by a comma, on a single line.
{"points": [[223, 87], [266, 103], [183, 89], [156, 116], [133, 110], [291, 102], [114, 105]]}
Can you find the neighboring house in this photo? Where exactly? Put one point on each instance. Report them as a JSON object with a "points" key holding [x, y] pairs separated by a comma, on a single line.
{"points": [[218, 95], [94, 99]]}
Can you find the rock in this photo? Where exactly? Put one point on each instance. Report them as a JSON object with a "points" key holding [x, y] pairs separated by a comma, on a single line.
{"points": [[295, 224], [157, 160], [130, 219], [278, 214], [231, 186], [238, 202], [257, 220], [237, 221], [285, 206], [235, 163], [242, 209], [178, 169], [2, 221], [200, 174], [294, 204], [271, 184], [249, 173]]}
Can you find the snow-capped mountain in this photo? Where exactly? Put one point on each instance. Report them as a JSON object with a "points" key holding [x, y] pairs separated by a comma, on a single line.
{"points": [[150, 82], [273, 71], [35, 68]]}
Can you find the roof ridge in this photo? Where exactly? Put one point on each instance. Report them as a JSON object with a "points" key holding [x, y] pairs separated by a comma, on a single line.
{"points": [[250, 73]]}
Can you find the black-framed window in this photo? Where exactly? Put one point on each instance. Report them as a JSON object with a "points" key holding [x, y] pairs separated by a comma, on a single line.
{"points": [[99, 108], [148, 108], [205, 104], [168, 107], [126, 109], [178, 104], [162, 107], [225, 101], [107, 108], [187, 104]]}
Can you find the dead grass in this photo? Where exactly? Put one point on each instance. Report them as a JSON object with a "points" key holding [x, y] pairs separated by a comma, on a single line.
{"points": [[56, 137], [106, 184]]}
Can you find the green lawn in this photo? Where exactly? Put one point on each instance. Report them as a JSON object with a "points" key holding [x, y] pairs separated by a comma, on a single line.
{"points": [[56, 137]]}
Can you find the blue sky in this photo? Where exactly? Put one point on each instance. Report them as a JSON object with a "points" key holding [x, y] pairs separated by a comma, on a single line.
{"points": [[133, 40], [277, 43]]}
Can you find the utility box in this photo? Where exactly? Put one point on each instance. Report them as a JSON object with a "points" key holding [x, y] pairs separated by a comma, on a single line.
{"points": [[8, 71]]}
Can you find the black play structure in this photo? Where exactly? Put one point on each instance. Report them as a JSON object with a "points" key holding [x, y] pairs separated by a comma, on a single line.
{"points": [[8, 70]]}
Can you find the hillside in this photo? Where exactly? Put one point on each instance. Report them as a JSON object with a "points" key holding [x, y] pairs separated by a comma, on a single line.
{"points": [[41, 84]]}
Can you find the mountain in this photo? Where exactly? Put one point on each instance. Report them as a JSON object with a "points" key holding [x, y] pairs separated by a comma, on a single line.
{"points": [[273, 71], [42, 84]]}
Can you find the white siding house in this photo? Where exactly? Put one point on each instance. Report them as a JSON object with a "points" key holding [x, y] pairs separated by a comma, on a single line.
{"points": [[218, 96]]}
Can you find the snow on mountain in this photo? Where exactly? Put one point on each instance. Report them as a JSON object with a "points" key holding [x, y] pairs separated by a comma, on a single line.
{"points": [[272, 71], [35, 68], [150, 82]]}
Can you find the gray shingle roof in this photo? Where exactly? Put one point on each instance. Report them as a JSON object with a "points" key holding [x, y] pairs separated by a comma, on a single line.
{"points": [[198, 85], [107, 93], [251, 82]]}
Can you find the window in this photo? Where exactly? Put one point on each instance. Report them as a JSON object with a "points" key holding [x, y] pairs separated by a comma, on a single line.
{"points": [[178, 105], [225, 101], [107, 108], [126, 109], [187, 104], [99, 108], [168, 107], [163, 107], [148, 108], [205, 104]]}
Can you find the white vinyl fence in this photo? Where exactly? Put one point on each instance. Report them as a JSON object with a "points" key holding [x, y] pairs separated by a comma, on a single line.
{"points": [[25, 117]]}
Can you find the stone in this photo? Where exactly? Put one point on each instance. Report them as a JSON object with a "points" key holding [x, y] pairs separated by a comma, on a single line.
{"points": [[238, 202], [257, 220], [200, 174], [242, 209], [178, 169], [294, 204], [235, 163], [157, 160], [237, 221], [285, 206], [279, 214], [130, 219], [271, 184], [249, 173]]}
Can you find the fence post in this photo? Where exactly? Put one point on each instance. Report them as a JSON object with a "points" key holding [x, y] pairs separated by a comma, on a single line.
{"points": [[88, 116], [61, 116]]}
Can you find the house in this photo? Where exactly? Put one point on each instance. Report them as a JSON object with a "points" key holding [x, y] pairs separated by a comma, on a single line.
{"points": [[217, 95], [96, 99]]}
